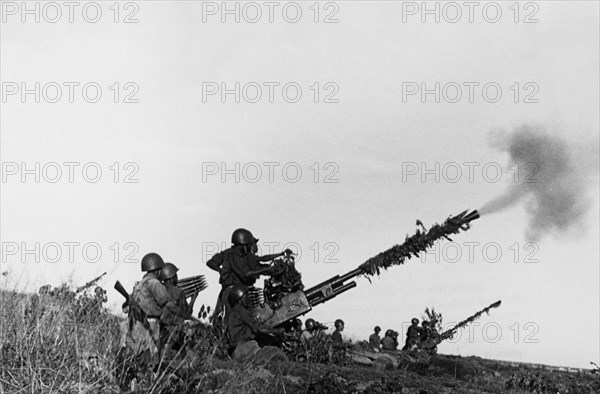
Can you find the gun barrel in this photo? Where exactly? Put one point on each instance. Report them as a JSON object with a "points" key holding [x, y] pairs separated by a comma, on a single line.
{"points": [[325, 297], [472, 216], [333, 283]]}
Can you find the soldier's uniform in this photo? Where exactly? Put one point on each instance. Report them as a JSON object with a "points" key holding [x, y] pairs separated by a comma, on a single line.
{"points": [[242, 329], [233, 267], [388, 343], [337, 338], [171, 324], [413, 333], [338, 349], [306, 335], [375, 342], [151, 296]]}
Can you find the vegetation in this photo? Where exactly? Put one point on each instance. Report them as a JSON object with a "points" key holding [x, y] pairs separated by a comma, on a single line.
{"points": [[60, 341]]}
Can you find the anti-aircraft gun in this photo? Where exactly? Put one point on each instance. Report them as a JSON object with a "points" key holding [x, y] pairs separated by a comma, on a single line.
{"points": [[284, 297]]}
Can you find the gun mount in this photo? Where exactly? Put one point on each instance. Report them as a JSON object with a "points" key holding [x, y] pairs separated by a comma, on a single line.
{"points": [[286, 299]]}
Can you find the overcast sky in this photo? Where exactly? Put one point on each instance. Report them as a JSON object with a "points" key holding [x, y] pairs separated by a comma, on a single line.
{"points": [[358, 133]]}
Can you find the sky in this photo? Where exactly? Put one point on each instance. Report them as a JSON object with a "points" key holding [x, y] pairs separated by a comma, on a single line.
{"points": [[162, 161]]}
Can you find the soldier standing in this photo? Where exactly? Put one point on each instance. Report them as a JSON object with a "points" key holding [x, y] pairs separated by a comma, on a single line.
{"points": [[337, 334], [338, 353], [375, 339], [237, 265], [412, 334]]}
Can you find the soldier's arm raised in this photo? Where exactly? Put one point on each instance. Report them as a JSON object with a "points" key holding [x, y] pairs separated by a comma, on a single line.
{"points": [[269, 257]]}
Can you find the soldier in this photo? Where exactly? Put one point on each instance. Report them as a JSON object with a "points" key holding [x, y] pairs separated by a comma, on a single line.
{"points": [[337, 334], [152, 298], [423, 334], [388, 342], [297, 328], [293, 328], [171, 325], [395, 335], [236, 265], [338, 351], [254, 260], [412, 334], [310, 326], [242, 327], [375, 339]]}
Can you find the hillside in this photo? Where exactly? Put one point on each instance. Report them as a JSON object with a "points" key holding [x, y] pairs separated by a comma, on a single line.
{"points": [[67, 343]]}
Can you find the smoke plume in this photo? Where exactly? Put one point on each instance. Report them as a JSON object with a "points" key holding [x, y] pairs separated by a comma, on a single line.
{"points": [[550, 176]]}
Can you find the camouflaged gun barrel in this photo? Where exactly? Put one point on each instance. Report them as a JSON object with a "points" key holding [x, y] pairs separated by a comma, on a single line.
{"points": [[418, 243], [450, 333], [192, 285], [398, 254]]}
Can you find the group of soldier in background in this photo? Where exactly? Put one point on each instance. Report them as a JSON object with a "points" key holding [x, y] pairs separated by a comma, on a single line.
{"points": [[416, 336]]}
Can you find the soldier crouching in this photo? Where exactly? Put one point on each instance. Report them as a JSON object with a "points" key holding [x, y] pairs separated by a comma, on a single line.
{"points": [[243, 328]]}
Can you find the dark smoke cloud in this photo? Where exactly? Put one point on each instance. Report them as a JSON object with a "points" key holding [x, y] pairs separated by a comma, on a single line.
{"points": [[553, 182]]}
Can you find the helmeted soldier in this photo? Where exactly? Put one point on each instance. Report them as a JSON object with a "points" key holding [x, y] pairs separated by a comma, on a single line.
{"points": [[297, 328], [375, 339], [412, 334], [336, 336], [152, 298], [423, 333], [170, 323], [243, 327], [388, 342], [310, 326], [338, 350], [237, 265]]}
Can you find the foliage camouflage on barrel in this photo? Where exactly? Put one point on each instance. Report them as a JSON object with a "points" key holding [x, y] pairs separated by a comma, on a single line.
{"points": [[450, 333], [419, 242]]}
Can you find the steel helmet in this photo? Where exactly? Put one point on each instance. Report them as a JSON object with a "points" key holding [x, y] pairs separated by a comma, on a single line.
{"points": [[309, 324], [241, 236], [297, 323], [168, 271], [236, 293], [377, 328], [338, 323], [389, 333], [414, 320], [151, 262]]}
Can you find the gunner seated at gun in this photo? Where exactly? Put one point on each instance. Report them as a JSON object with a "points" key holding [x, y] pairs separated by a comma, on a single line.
{"points": [[242, 327]]}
